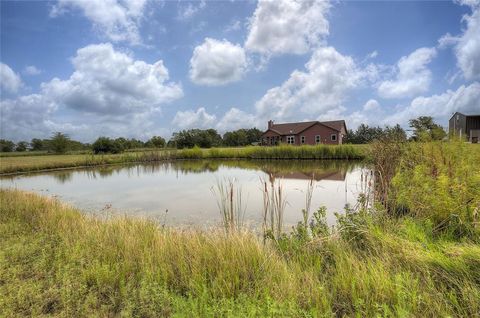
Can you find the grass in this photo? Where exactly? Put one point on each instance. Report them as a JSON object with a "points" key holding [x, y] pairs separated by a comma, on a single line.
{"points": [[417, 256], [17, 164], [56, 261]]}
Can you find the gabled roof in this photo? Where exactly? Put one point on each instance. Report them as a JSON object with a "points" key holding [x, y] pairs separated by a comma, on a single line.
{"points": [[335, 124], [296, 128]]}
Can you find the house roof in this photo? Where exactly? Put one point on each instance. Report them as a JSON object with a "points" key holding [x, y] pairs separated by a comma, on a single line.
{"points": [[335, 124], [296, 128]]}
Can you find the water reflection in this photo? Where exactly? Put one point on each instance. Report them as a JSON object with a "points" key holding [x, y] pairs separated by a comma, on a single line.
{"points": [[184, 187]]}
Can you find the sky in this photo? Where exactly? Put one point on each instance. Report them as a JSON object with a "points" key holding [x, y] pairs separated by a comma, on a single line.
{"points": [[149, 67]]}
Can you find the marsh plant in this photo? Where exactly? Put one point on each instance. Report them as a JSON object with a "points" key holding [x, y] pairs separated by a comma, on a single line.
{"points": [[274, 204], [228, 194]]}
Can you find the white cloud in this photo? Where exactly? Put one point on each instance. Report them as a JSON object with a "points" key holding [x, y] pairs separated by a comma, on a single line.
{"points": [[106, 81], [323, 87], [467, 50], [371, 105], [113, 93], [25, 116], [235, 25], [217, 63], [31, 70], [465, 99], [194, 119], [372, 55], [186, 12], [412, 75], [118, 19], [287, 26], [236, 119], [447, 40], [10, 81], [233, 119]]}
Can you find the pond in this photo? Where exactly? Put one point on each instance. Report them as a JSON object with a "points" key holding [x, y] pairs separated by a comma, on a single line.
{"points": [[185, 193]]}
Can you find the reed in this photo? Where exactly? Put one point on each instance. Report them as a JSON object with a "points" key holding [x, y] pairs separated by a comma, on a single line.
{"points": [[274, 204], [319, 152], [229, 201]]}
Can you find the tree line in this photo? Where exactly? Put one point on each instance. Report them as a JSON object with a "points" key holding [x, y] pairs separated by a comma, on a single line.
{"points": [[205, 138], [423, 128]]}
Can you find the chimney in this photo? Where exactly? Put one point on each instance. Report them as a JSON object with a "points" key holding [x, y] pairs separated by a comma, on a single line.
{"points": [[270, 124]]}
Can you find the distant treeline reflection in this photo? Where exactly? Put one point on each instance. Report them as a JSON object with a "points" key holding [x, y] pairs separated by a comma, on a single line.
{"points": [[300, 169]]}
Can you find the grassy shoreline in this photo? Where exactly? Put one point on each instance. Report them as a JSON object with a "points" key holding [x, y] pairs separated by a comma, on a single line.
{"points": [[56, 261], [19, 164]]}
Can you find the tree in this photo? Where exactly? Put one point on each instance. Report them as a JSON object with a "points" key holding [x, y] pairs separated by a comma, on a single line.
{"points": [[364, 134], [21, 146], [241, 137], [59, 142], [424, 128], [6, 145], [107, 145], [395, 133], [37, 144], [156, 142], [196, 137]]}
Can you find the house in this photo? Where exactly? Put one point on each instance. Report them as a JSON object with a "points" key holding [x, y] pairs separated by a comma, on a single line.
{"points": [[465, 127], [305, 133]]}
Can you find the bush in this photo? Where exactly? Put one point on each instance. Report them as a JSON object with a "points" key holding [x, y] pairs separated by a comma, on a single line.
{"points": [[6, 145], [441, 182], [107, 145]]}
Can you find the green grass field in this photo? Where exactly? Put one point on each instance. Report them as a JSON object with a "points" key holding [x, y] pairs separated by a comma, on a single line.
{"points": [[15, 164]]}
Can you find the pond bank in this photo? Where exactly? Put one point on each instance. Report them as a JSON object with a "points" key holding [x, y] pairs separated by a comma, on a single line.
{"points": [[56, 261], [12, 165]]}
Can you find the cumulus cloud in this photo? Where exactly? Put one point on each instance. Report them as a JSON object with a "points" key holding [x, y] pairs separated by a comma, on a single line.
{"points": [[467, 49], [25, 116], [108, 89], [118, 20], [465, 99], [287, 26], [194, 119], [412, 75], [217, 63], [10, 81], [322, 87], [236, 119], [107, 81], [31, 70], [233, 119]]}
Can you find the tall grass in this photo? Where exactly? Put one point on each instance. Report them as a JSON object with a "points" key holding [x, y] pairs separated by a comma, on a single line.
{"points": [[228, 194], [35, 163], [56, 261]]}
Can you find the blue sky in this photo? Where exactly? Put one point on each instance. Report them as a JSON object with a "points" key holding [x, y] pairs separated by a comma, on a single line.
{"points": [[150, 67]]}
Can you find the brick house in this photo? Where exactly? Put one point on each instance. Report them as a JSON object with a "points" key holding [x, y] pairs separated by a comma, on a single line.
{"points": [[305, 133]]}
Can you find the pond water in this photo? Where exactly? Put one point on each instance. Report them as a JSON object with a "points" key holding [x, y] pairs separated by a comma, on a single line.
{"points": [[182, 193]]}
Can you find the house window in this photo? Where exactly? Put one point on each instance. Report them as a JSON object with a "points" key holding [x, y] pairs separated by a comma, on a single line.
{"points": [[302, 139], [334, 137], [290, 140], [317, 139], [272, 140]]}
